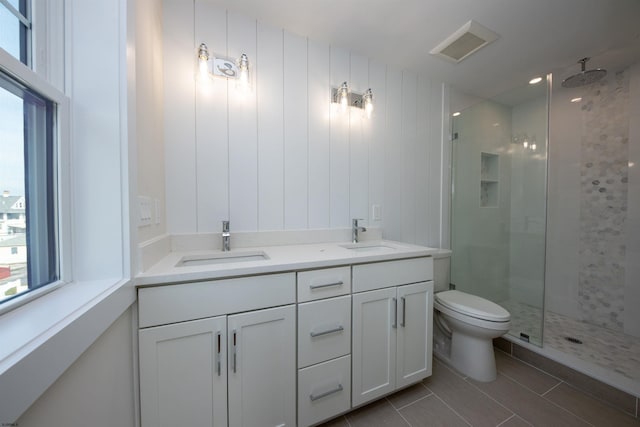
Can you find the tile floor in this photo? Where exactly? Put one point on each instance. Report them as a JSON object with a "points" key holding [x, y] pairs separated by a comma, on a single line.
{"points": [[521, 396]]}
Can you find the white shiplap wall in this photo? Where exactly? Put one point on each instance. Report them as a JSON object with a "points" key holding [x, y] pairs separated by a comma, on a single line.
{"points": [[282, 157]]}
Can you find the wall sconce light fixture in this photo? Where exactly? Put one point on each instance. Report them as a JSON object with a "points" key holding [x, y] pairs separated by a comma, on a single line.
{"points": [[203, 60], [243, 72], [368, 102], [341, 95], [224, 67]]}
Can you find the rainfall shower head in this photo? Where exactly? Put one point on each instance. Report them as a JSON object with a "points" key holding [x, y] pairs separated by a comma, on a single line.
{"points": [[584, 77]]}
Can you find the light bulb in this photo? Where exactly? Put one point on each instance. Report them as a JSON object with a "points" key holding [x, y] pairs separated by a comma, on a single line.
{"points": [[243, 72], [203, 60], [533, 147], [525, 144], [343, 96], [368, 102]]}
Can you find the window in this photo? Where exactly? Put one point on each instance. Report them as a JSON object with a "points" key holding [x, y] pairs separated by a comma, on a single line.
{"points": [[15, 29], [29, 232]]}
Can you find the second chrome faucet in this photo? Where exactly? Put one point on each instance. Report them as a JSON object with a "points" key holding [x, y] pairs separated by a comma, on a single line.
{"points": [[226, 237], [355, 229]]}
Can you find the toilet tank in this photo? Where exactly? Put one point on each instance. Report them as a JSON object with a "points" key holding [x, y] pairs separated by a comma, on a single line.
{"points": [[441, 270]]}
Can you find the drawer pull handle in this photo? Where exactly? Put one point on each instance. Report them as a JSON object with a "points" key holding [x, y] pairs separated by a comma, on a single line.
{"points": [[326, 285], [218, 353], [328, 331], [314, 397], [235, 351], [394, 317]]}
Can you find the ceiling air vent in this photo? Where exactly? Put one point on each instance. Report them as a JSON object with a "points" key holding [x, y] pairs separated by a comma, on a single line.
{"points": [[468, 39]]}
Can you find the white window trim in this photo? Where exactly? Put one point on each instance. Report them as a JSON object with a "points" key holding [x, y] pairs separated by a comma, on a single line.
{"points": [[23, 74], [40, 340], [46, 330]]}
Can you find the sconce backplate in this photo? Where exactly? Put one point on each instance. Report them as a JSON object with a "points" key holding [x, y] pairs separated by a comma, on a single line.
{"points": [[224, 67]]}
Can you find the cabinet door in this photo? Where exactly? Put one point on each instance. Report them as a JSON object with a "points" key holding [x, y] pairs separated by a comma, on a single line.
{"points": [[415, 307], [374, 344], [262, 368], [183, 379]]}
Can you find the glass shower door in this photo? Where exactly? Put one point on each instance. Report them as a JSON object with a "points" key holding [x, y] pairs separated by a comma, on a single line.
{"points": [[499, 155]]}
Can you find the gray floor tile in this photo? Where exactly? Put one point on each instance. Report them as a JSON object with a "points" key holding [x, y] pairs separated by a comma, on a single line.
{"points": [[528, 405], [588, 408], [526, 375], [431, 412], [408, 395], [615, 397], [378, 414], [336, 422], [464, 398], [515, 421]]}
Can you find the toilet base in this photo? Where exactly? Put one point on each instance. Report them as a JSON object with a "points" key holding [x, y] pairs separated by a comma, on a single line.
{"points": [[473, 357]]}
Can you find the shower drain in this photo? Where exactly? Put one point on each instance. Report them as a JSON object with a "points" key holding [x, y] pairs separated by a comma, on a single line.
{"points": [[573, 340]]}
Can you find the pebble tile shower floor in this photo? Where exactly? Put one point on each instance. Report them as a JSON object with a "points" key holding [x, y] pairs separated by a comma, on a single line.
{"points": [[521, 396], [609, 349]]}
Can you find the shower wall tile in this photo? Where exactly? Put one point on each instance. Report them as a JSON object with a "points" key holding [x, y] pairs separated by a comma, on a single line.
{"points": [[603, 204]]}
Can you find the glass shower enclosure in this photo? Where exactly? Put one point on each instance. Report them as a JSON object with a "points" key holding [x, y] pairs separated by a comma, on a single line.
{"points": [[498, 203]]}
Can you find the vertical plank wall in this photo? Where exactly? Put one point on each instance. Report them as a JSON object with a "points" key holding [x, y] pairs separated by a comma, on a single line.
{"points": [[281, 156]]}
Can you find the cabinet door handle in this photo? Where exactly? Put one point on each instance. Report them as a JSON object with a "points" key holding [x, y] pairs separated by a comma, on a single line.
{"points": [[314, 397], [235, 350], [328, 331], [394, 303], [402, 322], [326, 285], [219, 350]]}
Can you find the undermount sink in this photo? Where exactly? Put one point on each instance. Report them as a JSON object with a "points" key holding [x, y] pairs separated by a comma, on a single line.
{"points": [[221, 258], [369, 247]]}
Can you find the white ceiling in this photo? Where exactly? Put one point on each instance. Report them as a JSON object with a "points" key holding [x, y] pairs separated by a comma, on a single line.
{"points": [[536, 36]]}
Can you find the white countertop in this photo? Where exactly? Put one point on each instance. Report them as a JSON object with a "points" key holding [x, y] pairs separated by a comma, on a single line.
{"points": [[280, 259]]}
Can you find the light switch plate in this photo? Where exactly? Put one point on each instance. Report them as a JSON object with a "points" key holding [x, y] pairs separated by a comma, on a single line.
{"points": [[145, 209], [376, 212]]}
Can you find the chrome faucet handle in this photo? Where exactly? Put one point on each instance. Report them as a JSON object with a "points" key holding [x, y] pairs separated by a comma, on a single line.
{"points": [[226, 237], [355, 224], [355, 228]]}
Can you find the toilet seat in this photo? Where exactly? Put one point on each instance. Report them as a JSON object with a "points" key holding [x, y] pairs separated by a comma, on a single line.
{"points": [[472, 306]]}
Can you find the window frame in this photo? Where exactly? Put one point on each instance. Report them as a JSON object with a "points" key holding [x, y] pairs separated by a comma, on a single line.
{"points": [[24, 75]]}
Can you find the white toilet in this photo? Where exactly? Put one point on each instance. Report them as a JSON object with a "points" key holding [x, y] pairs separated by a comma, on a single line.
{"points": [[465, 326]]}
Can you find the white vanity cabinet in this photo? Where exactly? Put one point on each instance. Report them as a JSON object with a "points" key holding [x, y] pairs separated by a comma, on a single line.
{"points": [[324, 344], [392, 326], [183, 374], [229, 369]]}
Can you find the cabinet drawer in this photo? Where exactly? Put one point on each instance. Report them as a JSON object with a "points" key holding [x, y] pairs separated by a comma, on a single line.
{"points": [[324, 330], [159, 305], [367, 277], [324, 283], [324, 390]]}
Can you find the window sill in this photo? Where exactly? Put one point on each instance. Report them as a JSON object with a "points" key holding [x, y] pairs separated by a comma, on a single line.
{"points": [[41, 339]]}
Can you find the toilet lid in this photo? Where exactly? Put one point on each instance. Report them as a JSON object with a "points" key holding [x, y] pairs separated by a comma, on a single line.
{"points": [[473, 306]]}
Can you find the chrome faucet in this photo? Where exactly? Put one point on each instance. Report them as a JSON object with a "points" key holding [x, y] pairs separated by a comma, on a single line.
{"points": [[226, 237], [355, 229]]}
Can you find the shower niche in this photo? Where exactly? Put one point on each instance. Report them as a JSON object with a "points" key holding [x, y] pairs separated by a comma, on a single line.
{"points": [[489, 180]]}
